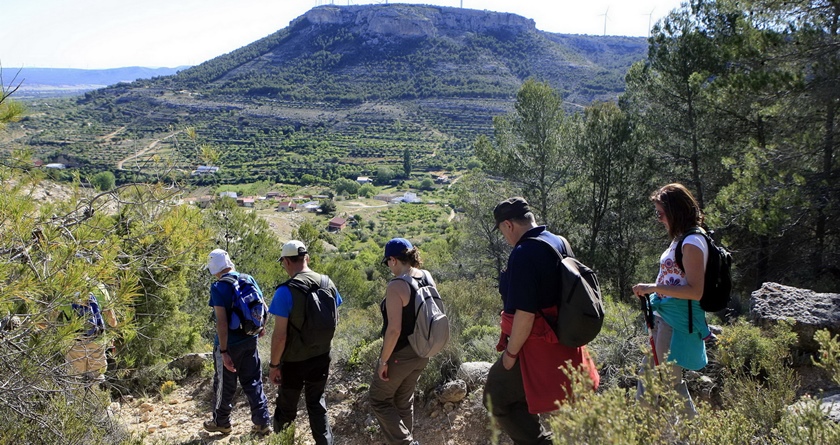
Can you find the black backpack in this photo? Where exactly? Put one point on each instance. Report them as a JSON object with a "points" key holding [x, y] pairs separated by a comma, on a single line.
{"points": [[580, 307], [320, 312], [717, 283]]}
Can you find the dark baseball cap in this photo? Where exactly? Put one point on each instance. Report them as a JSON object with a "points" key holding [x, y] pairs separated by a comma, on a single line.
{"points": [[396, 247], [510, 208]]}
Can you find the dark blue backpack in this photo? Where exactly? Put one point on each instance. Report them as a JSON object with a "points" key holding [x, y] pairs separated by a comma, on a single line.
{"points": [[91, 314], [249, 312]]}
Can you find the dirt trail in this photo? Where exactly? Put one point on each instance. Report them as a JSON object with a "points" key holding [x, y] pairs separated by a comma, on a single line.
{"points": [[178, 417], [145, 150]]}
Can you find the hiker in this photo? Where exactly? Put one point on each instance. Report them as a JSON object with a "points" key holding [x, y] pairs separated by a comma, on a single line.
{"points": [[235, 354], [399, 367], [298, 364], [676, 208], [528, 378], [87, 356]]}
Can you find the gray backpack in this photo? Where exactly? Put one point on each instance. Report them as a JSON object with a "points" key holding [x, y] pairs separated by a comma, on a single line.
{"points": [[431, 326]]}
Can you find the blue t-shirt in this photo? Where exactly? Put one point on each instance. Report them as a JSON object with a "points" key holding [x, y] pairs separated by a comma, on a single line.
{"points": [[530, 282], [221, 294], [281, 303]]}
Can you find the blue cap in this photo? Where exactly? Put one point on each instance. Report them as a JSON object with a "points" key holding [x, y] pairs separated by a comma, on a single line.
{"points": [[396, 247]]}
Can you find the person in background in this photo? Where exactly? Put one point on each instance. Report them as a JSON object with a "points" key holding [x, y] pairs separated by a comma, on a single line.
{"points": [[295, 366], [87, 355], [398, 368], [235, 355], [675, 289], [529, 378]]}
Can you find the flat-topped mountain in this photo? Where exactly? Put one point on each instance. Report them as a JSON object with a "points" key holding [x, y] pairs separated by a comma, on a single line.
{"points": [[342, 90]]}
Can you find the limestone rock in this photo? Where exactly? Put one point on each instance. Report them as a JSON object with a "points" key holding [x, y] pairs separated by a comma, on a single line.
{"points": [[810, 311], [413, 21], [453, 391], [191, 363], [473, 373]]}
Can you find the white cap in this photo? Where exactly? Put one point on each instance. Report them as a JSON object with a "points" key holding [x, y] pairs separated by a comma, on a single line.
{"points": [[293, 248], [217, 261]]}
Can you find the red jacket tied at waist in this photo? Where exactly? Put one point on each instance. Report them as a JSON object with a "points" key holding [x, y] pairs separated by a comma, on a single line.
{"points": [[542, 360]]}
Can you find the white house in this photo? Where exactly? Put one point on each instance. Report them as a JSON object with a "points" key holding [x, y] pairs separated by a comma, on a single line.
{"points": [[311, 206], [56, 166], [410, 197], [364, 180], [205, 170]]}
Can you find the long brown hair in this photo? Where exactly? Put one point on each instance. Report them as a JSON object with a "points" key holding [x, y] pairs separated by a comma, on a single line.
{"points": [[681, 209]]}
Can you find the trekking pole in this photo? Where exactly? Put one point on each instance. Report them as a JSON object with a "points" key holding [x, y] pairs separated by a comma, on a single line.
{"points": [[647, 310]]}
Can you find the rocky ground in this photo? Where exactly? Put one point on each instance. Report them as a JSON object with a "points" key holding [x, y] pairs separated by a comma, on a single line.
{"points": [[453, 417]]}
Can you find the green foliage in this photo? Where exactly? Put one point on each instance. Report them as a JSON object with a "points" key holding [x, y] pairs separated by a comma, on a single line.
{"points": [[746, 348], [384, 175], [345, 186], [829, 358], [427, 184], [367, 190], [758, 380], [618, 347], [103, 181]]}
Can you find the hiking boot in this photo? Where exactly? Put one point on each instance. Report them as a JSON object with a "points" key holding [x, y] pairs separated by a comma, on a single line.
{"points": [[260, 429], [211, 426]]}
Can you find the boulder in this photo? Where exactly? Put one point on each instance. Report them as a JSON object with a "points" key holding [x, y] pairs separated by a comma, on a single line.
{"points": [[452, 392], [473, 373], [191, 363], [831, 407], [809, 310]]}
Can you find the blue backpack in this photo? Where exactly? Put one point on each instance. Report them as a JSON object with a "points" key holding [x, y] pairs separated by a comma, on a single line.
{"points": [[91, 314], [249, 312]]}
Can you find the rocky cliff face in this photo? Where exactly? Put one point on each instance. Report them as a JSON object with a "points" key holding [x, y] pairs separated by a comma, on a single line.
{"points": [[416, 21]]}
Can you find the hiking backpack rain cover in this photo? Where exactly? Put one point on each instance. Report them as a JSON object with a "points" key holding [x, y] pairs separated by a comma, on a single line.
{"points": [[431, 325], [320, 313], [717, 282], [249, 311], [580, 308]]}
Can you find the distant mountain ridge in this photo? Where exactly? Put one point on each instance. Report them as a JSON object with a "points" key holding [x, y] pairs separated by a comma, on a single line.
{"points": [[63, 81], [399, 51], [341, 91]]}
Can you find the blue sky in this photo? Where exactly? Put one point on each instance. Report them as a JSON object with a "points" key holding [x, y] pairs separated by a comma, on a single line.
{"points": [[95, 34]]}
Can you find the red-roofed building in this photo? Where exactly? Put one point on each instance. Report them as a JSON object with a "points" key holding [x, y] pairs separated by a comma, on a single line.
{"points": [[336, 224]]}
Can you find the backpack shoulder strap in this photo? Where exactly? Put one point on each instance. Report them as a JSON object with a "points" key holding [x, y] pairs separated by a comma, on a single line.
{"points": [[678, 254], [552, 247], [325, 282], [413, 285], [427, 277]]}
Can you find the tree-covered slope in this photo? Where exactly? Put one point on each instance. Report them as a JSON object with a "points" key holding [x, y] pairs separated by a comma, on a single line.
{"points": [[338, 92]]}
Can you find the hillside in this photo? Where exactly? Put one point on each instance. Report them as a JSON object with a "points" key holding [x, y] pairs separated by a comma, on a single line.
{"points": [[337, 93]]}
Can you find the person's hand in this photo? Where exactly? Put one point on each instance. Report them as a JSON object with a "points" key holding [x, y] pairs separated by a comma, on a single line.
{"points": [[508, 361], [275, 376], [228, 362], [382, 371], [643, 289], [262, 332]]}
